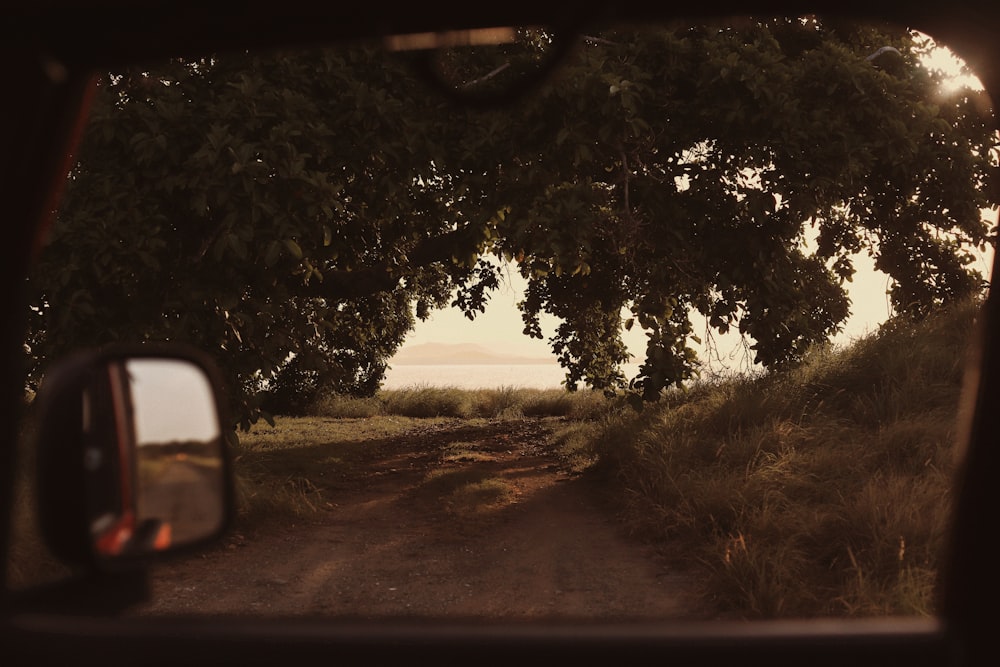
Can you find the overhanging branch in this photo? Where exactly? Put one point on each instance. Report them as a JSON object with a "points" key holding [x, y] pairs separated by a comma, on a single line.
{"points": [[341, 284]]}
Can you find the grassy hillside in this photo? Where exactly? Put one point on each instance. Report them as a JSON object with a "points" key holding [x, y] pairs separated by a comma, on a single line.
{"points": [[824, 490]]}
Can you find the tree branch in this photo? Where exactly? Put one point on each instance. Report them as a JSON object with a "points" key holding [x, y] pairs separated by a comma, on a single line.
{"points": [[341, 284], [486, 77]]}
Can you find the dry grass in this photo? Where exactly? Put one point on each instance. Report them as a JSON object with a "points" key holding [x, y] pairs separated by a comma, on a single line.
{"points": [[425, 401], [824, 490]]}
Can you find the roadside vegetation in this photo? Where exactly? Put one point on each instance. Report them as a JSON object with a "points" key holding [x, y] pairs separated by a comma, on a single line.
{"points": [[823, 490], [498, 403], [820, 490]]}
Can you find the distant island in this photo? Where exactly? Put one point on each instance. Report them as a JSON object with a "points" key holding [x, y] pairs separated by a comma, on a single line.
{"points": [[460, 354]]}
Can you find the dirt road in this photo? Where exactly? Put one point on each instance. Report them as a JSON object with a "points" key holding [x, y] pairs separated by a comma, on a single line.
{"points": [[450, 521]]}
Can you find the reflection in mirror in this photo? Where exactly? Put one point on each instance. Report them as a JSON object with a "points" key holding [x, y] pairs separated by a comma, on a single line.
{"points": [[170, 458], [486, 68]]}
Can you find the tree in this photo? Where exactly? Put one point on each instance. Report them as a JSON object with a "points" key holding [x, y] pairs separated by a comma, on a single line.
{"points": [[735, 172], [255, 221], [291, 212]]}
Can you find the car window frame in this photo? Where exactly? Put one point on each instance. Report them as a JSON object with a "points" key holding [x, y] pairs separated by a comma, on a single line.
{"points": [[51, 60]]}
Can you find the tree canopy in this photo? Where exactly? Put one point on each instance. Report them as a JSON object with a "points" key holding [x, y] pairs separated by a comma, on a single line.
{"points": [[292, 213]]}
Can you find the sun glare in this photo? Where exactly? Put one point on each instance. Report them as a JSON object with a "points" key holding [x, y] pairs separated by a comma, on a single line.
{"points": [[957, 75]]}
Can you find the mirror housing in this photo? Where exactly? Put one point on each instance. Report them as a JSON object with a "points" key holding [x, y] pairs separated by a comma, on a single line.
{"points": [[132, 462]]}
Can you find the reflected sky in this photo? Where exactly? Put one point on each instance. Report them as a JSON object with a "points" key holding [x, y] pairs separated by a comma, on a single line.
{"points": [[173, 401]]}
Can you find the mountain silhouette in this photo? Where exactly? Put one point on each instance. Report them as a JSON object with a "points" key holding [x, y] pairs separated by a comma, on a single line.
{"points": [[460, 354]]}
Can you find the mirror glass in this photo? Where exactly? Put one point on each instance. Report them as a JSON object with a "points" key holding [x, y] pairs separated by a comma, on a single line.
{"points": [[170, 458]]}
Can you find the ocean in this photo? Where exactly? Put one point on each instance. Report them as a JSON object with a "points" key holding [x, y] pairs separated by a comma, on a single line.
{"points": [[480, 376]]}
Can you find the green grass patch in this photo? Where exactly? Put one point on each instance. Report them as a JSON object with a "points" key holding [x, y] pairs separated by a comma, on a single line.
{"points": [[478, 497], [467, 492], [464, 452], [282, 471]]}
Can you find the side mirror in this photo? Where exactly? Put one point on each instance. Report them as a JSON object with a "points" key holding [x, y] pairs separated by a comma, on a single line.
{"points": [[132, 460]]}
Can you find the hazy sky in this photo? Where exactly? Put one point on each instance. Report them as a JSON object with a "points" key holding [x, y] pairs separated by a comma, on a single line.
{"points": [[500, 327], [173, 401]]}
